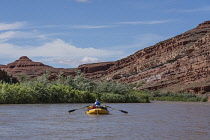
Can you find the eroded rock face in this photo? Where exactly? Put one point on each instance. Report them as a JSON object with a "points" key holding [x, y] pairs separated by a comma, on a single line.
{"points": [[95, 70], [95, 67], [181, 63]]}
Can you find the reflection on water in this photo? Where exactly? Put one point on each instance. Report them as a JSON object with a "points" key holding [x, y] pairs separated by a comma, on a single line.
{"points": [[157, 120]]}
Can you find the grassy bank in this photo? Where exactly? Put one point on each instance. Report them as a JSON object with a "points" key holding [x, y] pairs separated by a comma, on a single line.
{"points": [[169, 96]]}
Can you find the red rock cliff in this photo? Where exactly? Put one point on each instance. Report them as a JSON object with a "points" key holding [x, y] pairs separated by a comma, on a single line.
{"points": [[177, 64]]}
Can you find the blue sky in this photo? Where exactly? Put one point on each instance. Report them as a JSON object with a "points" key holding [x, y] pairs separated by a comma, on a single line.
{"points": [[67, 33]]}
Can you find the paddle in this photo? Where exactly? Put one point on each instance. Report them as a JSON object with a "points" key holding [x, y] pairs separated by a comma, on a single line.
{"points": [[119, 110], [76, 109]]}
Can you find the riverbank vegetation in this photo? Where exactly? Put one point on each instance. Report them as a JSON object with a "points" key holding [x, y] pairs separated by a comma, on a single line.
{"points": [[68, 90], [79, 89], [170, 96]]}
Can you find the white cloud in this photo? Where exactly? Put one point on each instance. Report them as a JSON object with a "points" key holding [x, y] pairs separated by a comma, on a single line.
{"points": [[5, 36], [86, 60], [82, 0], [145, 22], [57, 51], [75, 61], [11, 26], [111, 25], [59, 48]]}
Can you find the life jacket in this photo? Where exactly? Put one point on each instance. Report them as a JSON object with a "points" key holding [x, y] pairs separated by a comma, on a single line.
{"points": [[97, 103]]}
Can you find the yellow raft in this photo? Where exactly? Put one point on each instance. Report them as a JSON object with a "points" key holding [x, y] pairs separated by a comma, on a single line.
{"points": [[97, 110]]}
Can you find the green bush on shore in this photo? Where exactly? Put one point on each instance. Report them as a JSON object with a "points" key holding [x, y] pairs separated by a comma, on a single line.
{"points": [[35, 92], [68, 90], [169, 96], [42, 93]]}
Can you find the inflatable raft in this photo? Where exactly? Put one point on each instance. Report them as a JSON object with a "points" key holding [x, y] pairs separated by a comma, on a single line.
{"points": [[97, 110]]}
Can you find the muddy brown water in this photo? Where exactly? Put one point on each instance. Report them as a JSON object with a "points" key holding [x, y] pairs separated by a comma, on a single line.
{"points": [[150, 121]]}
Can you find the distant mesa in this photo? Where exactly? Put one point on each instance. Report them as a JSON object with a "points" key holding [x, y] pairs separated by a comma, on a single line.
{"points": [[24, 61], [25, 66]]}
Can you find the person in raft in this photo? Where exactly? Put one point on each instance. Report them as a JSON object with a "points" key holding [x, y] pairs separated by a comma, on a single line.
{"points": [[97, 104]]}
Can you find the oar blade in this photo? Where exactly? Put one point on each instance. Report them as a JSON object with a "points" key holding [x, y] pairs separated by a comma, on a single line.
{"points": [[71, 110], [77, 109], [118, 110], [124, 111]]}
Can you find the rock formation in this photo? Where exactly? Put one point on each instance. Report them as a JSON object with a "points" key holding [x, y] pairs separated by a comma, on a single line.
{"points": [[181, 63], [26, 67], [96, 70]]}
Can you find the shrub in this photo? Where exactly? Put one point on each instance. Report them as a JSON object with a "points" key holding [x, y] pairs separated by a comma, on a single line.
{"points": [[68, 90], [169, 96]]}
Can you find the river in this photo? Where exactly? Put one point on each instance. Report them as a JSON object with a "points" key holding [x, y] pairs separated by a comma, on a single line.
{"points": [[145, 121]]}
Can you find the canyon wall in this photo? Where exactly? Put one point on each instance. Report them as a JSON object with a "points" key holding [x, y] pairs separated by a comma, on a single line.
{"points": [[181, 63]]}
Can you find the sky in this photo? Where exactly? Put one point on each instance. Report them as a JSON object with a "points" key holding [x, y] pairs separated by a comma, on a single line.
{"points": [[68, 33]]}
